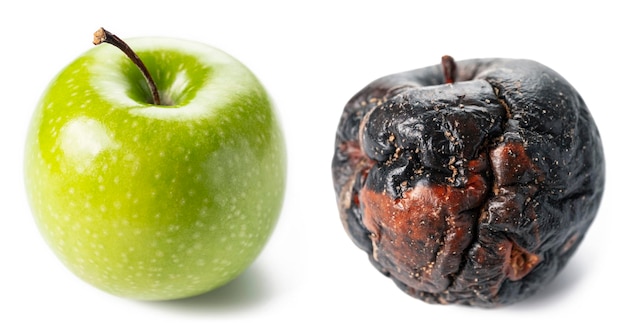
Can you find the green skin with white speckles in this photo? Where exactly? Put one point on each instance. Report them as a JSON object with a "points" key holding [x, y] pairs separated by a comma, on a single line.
{"points": [[156, 202]]}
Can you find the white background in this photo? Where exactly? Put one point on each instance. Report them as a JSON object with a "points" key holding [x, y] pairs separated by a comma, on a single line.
{"points": [[312, 57]]}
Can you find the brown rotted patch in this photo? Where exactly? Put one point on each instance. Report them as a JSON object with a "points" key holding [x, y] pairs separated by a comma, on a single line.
{"points": [[519, 261], [516, 181], [422, 235]]}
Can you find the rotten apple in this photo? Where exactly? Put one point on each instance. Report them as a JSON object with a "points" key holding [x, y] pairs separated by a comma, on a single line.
{"points": [[471, 182]]}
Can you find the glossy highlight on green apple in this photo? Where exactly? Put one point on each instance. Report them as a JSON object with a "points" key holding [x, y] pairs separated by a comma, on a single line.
{"points": [[148, 201]]}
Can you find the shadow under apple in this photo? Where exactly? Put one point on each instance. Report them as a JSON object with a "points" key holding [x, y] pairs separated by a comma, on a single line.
{"points": [[250, 289], [561, 288]]}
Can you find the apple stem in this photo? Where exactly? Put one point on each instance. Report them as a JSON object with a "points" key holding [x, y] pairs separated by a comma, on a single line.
{"points": [[102, 35], [449, 68]]}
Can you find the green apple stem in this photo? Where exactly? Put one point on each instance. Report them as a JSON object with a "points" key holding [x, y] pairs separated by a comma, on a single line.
{"points": [[102, 35], [449, 68]]}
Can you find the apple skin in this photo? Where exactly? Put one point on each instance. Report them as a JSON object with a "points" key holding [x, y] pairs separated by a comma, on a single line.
{"points": [[156, 202]]}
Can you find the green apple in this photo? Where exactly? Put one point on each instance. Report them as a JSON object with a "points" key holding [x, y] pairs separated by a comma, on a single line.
{"points": [[156, 202]]}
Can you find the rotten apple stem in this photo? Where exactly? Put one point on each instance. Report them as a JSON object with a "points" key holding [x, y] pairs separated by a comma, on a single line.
{"points": [[449, 68], [102, 35]]}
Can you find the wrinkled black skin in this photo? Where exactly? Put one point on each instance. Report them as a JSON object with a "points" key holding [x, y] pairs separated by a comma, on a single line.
{"points": [[528, 103]]}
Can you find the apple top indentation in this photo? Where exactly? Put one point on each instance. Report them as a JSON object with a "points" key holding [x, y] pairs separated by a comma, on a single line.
{"points": [[194, 83]]}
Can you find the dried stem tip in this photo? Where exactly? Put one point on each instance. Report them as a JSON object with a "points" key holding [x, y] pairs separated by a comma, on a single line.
{"points": [[99, 36], [449, 68], [102, 35]]}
